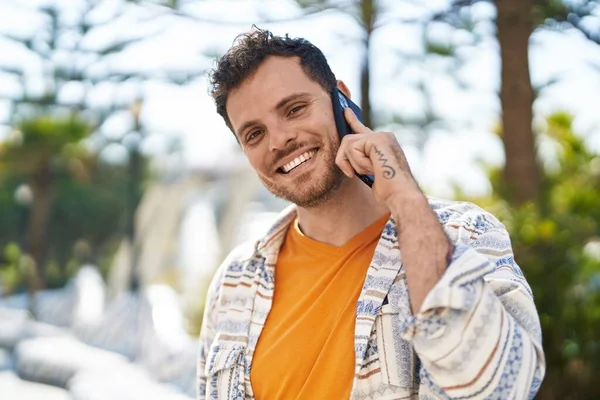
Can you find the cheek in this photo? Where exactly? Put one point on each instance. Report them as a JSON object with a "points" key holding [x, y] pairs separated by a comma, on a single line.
{"points": [[259, 162], [331, 138]]}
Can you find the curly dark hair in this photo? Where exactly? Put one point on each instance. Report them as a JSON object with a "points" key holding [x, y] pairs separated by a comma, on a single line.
{"points": [[250, 50]]}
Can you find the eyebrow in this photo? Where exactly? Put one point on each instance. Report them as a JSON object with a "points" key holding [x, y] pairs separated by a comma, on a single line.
{"points": [[293, 97], [281, 104]]}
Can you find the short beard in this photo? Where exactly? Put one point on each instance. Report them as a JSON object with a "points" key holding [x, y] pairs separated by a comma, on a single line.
{"points": [[321, 191]]}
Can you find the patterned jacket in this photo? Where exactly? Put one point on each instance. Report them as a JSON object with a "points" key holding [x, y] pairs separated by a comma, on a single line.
{"points": [[476, 336]]}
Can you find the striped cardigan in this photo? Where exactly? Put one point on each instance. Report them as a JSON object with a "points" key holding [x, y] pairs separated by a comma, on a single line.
{"points": [[476, 336]]}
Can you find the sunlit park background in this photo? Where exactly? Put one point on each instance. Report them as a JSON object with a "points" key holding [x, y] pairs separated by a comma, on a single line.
{"points": [[121, 189]]}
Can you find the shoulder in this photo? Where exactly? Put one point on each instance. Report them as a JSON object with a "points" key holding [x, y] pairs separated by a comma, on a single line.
{"points": [[238, 259], [233, 264]]}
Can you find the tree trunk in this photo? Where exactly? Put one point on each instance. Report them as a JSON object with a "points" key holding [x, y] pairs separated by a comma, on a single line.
{"points": [[134, 196], [42, 189], [368, 15], [522, 171], [365, 84]]}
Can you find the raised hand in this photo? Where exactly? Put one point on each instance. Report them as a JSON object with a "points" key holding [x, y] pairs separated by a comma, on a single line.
{"points": [[378, 154]]}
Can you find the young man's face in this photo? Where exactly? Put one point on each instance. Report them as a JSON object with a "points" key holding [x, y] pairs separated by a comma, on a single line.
{"points": [[284, 122]]}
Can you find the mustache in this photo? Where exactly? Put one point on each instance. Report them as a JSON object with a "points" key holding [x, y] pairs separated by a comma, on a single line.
{"points": [[292, 147]]}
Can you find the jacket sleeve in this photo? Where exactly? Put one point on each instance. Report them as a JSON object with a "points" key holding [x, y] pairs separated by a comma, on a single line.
{"points": [[208, 329], [478, 333]]}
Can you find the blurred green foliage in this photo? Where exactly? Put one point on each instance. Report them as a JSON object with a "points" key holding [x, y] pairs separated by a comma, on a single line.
{"points": [[10, 274], [86, 225], [36, 150], [556, 241], [43, 140], [17, 269], [81, 201]]}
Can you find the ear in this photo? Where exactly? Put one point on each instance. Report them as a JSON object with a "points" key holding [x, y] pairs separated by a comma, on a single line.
{"points": [[343, 88]]}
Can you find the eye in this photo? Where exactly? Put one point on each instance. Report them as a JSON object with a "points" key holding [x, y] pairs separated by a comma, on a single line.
{"points": [[295, 110], [253, 135]]}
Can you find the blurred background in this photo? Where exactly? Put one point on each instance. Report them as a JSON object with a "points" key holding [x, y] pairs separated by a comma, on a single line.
{"points": [[121, 189]]}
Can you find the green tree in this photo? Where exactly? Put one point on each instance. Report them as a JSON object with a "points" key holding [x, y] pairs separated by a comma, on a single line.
{"points": [[88, 203], [84, 215], [557, 241], [516, 21], [34, 151]]}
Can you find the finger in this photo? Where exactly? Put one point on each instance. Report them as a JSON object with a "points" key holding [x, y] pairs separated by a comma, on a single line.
{"points": [[343, 163], [345, 166], [350, 166], [354, 122], [359, 161], [352, 155]]}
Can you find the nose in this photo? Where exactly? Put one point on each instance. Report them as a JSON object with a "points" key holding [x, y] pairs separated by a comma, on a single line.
{"points": [[280, 137]]}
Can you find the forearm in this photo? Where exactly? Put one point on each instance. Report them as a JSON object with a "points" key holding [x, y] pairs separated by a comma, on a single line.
{"points": [[423, 244]]}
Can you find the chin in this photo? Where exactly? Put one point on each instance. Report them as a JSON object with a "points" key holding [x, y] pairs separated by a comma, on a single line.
{"points": [[308, 192]]}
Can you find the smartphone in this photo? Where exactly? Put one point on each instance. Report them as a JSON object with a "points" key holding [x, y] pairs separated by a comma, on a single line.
{"points": [[340, 103]]}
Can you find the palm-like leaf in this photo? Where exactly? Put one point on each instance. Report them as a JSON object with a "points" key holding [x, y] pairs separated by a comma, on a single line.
{"points": [[41, 140]]}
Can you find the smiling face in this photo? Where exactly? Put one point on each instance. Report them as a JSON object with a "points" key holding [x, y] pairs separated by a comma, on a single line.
{"points": [[284, 123]]}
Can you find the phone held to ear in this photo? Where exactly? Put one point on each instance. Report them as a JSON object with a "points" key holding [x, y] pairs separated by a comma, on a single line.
{"points": [[340, 103]]}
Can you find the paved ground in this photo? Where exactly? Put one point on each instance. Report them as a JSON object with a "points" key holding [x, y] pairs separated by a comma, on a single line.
{"points": [[14, 388]]}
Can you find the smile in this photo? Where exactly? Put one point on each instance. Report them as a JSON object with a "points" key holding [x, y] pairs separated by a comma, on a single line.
{"points": [[296, 162]]}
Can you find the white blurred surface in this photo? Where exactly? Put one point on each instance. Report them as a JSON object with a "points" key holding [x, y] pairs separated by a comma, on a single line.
{"points": [[14, 388]]}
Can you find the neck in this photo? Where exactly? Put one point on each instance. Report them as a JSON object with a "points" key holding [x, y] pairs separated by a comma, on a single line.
{"points": [[352, 209]]}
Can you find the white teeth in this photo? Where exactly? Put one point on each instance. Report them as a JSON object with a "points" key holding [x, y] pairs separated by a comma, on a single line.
{"points": [[298, 160]]}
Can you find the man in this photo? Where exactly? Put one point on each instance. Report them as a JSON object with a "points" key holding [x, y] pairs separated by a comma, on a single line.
{"points": [[354, 292]]}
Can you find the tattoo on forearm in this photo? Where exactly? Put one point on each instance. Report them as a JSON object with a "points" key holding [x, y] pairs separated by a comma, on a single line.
{"points": [[388, 171]]}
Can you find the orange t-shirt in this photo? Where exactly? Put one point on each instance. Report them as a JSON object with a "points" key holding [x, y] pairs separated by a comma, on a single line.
{"points": [[306, 349]]}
